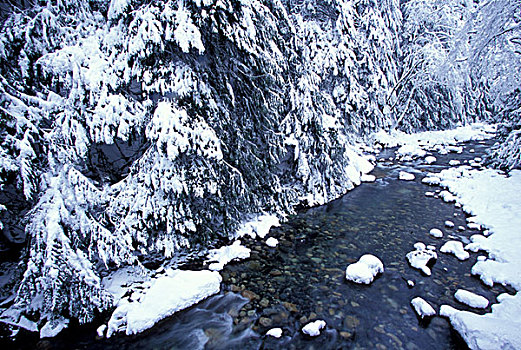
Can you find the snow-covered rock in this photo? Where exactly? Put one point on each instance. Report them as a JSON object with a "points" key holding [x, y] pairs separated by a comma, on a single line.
{"points": [[422, 308], [449, 224], [447, 196], [100, 331], [456, 248], [454, 162], [436, 233], [313, 328], [368, 178], [272, 242], [403, 175], [430, 160], [471, 299], [222, 256], [421, 257], [473, 226], [365, 269], [431, 180], [429, 194], [411, 151], [175, 291], [274, 332]]}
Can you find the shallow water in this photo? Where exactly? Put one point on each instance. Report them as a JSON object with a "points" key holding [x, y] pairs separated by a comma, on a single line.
{"points": [[303, 278]]}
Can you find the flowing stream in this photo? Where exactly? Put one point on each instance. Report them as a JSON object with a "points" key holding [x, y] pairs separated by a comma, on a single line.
{"points": [[303, 279]]}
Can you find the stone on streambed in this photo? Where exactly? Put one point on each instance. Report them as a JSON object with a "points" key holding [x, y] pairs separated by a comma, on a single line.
{"points": [[421, 257], [365, 269], [313, 328], [422, 308]]}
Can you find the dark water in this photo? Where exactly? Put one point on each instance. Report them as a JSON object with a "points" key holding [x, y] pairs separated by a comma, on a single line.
{"points": [[303, 279]]}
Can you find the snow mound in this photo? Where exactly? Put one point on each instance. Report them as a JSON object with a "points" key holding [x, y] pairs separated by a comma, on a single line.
{"points": [[403, 175], [436, 233], [167, 294], [422, 308], [313, 328], [365, 269], [274, 332], [222, 256], [430, 160], [471, 299], [456, 248], [272, 242], [421, 257]]}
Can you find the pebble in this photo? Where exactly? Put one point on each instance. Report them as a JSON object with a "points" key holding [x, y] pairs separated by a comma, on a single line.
{"points": [[351, 322], [265, 322]]}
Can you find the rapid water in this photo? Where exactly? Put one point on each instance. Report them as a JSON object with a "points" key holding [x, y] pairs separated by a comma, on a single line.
{"points": [[303, 279]]}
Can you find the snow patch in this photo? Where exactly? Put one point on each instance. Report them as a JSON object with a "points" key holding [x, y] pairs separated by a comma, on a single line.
{"points": [[260, 226], [430, 160], [222, 256]]}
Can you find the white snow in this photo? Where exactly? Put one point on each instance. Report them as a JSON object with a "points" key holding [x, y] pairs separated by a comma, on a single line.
{"points": [[473, 226], [429, 194], [222, 256], [471, 299], [365, 269], [274, 332], [175, 291], [53, 327], [313, 328], [368, 178], [410, 283], [422, 308], [436, 233], [403, 175], [456, 248], [420, 257], [272, 242], [259, 226], [430, 160], [410, 150], [454, 162]]}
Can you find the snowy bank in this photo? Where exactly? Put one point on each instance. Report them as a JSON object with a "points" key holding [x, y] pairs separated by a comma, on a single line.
{"points": [[166, 295], [494, 202]]}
